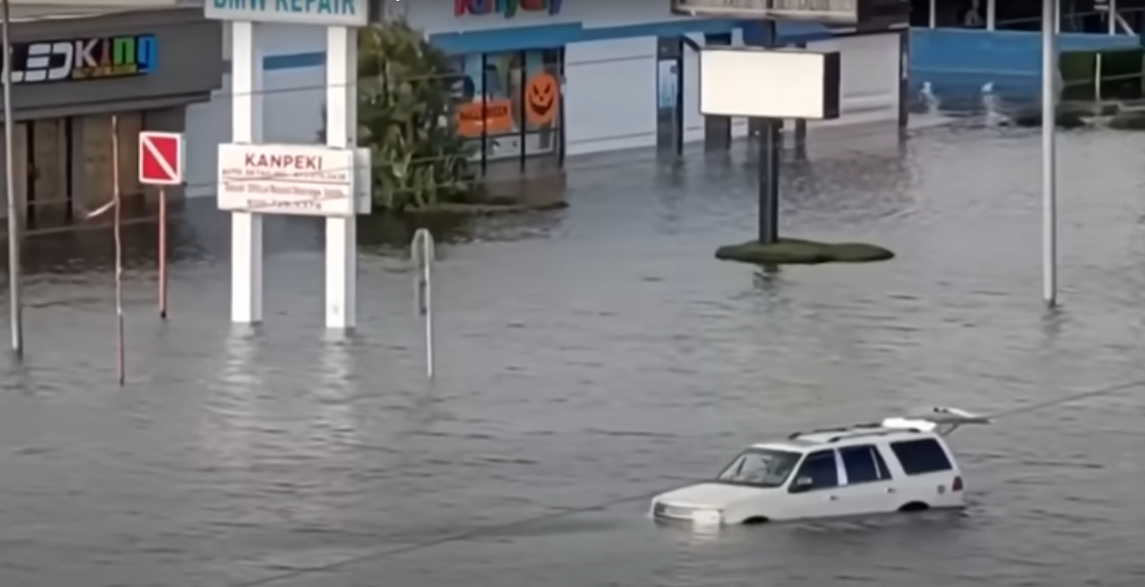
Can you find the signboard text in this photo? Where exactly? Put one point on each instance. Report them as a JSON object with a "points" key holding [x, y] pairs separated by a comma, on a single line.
{"points": [[81, 59], [509, 8], [321, 12], [306, 180]]}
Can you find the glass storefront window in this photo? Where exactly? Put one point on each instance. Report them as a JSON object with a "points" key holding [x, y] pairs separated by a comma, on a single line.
{"points": [[509, 103]]}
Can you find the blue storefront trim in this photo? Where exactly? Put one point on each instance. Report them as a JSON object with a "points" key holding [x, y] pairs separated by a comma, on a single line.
{"points": [[557, 35], [956, 62]]}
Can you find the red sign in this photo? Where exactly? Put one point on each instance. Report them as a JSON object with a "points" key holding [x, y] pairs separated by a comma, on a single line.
{"points": [[160, 158]]}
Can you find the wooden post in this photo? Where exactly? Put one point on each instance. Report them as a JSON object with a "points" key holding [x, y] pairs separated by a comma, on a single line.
{"points": [[116, 227]]}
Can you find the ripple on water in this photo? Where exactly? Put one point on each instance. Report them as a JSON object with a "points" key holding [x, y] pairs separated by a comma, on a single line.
{"points": [[586, 356]]}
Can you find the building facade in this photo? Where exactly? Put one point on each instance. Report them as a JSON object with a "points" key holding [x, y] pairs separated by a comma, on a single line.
{"points": [[556, 77], [957, 46], [79, 73]]}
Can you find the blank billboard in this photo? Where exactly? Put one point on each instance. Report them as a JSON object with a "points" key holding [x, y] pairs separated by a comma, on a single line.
{"points": [[769, 83]]}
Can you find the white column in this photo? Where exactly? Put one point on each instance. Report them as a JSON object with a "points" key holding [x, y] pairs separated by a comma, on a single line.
{"points": [[933, 13], [342, 132], [246, 127], [991, 14], [1111, 17]]}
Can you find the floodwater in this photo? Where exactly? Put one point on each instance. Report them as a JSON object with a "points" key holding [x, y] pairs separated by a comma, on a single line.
{"points": [[593, 356]]}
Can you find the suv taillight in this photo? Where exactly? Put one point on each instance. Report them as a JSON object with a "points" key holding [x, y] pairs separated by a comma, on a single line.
{"points": [[957, 485]]}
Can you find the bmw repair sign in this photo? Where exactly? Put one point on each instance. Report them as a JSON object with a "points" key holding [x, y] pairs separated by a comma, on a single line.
{"points": [[351, 13], [65, 60]]}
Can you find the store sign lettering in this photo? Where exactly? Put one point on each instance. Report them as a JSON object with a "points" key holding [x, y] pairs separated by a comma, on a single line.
{"points": [[82, 59], [509, 8]]}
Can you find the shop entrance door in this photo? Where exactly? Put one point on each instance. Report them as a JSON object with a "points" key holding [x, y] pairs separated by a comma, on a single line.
{"points": [[47, 187], [19, 169], [96, 173]]}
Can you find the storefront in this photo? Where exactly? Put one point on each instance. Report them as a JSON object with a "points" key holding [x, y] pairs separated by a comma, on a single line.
{"points": [[543, 79], [961, 45], [555, 78], [73, 73]]}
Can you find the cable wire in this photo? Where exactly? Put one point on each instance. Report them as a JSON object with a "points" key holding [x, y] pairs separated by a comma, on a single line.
{"points": [[1107, 390], [461, 536], [477, 177], [565, 512]]}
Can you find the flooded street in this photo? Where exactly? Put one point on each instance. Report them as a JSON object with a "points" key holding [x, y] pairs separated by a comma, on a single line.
{"points": [[597, 355]]}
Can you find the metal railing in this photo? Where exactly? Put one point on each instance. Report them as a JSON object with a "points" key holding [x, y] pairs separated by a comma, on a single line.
{"points": [[423, 255], [1115, 21], [1068, 22]]}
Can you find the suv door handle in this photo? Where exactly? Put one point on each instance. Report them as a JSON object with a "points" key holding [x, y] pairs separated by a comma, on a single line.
{"points": [[890, 490], [833, 497]]}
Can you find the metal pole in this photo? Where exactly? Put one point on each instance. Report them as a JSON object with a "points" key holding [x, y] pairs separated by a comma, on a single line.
{"points": [[770, 149], [1049, 153], [423, 255], [15, 235], [801, 126], [163, 254], [121, 363]]}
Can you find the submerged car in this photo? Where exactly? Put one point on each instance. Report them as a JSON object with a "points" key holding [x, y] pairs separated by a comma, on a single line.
{"points": [[899, 464]]}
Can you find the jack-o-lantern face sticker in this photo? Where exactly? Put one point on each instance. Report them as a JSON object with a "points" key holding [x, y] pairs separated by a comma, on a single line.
{"points": [[542, 99]]}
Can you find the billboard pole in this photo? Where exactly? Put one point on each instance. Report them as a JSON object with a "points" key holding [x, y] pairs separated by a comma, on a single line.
{"points": [[770, 147], [1049, 153]]}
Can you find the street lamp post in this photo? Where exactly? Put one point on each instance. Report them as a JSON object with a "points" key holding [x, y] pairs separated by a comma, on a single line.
{"points": [[14, 229], [1049, 152]]}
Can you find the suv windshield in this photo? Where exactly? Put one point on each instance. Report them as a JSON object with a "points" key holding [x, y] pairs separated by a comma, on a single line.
{"points": [[760, 467]]}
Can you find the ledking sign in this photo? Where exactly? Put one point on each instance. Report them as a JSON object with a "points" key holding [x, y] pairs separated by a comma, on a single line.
{"points": [[352, 13], [65, 60]]}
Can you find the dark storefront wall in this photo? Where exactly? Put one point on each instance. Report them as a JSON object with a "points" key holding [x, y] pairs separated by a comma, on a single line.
{"points": [[188, 64], [64, 140]]}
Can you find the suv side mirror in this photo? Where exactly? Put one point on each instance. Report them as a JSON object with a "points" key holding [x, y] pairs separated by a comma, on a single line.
{"points": [[801, 485]]}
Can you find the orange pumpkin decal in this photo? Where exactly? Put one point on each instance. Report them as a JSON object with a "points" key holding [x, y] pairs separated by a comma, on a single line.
{"points": [[542, 99]]}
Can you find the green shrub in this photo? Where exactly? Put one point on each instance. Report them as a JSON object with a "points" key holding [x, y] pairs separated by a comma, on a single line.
{"points": [[406, 118]]}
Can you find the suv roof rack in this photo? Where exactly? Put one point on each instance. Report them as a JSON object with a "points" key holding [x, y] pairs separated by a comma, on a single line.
{"points": [[863, 426], [880, 432], [949, 419]]}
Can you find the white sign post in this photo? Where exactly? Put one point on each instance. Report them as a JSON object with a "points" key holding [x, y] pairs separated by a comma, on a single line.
{"points": [[256, 180]]}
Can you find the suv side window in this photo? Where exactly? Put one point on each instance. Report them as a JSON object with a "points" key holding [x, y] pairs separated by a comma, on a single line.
{"points": [[919, 457], [820, 468], [864, 464]]}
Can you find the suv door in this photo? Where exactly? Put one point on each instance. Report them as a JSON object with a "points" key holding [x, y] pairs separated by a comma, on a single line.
{"points": [[814, 489], [870, 486]]}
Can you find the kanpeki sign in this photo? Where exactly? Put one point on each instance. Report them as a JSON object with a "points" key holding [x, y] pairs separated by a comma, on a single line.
{"points": [[508, 8], [298, 180], [63, 60]]}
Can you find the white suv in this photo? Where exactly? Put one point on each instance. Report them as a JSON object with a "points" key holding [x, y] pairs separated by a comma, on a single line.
{"points": [[899, 464]]}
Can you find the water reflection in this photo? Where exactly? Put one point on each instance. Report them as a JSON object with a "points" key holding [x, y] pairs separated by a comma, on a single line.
{"points": [[336, 391], [593, 354], [232, 428]]}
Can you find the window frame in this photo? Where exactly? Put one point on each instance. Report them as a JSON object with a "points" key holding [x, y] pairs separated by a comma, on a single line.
{"points": [[946, 456], [839, 475], [882, 470]]}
